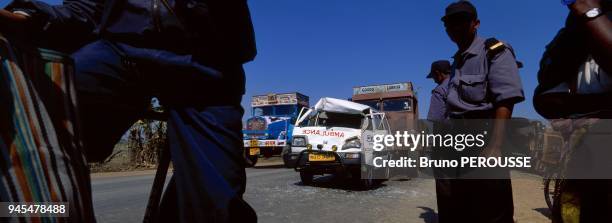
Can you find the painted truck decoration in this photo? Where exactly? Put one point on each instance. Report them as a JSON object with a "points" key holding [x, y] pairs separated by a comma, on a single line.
{"points": [[332, 138], [270, 127]]}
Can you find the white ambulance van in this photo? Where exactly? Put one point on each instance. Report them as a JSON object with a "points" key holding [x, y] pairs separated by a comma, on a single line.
{"points": [[335, 137]]}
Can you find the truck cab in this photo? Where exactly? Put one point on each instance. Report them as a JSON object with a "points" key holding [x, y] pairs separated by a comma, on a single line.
{"points": [[269, 128], [398, 101]]}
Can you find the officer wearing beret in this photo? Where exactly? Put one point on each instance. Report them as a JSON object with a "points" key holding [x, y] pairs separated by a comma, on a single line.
{"points": [[484, 84], [439, 72], [438, 114]]}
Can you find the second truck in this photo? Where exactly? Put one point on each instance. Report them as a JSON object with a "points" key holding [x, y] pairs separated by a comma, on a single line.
{"points": [[269, 128]]}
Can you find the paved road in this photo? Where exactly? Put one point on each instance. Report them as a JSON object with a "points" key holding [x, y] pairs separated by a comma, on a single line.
{"points": [[278, 196], [122, 198]]}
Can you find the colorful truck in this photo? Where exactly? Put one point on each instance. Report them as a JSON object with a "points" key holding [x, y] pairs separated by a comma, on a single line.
{"points": [[270, 127], [398, 101]]}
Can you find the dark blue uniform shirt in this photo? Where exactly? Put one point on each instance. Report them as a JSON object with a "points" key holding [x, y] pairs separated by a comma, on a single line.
{"points": [[221, 28]]}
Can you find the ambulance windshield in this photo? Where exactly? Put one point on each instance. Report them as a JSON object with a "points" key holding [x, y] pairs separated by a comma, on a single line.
{"points": [[331, 119]]}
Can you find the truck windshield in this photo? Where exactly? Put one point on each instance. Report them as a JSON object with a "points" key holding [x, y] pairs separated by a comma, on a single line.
{"points": [[399, 104], [372, 103], [278, 110], [263, 111], [285, 110], [331, 119]]}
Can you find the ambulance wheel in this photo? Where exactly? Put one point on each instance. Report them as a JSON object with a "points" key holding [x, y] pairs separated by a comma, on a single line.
{"points": [[371, 183], [249, 160], [367, 183], [306, 177], [286, 156]]}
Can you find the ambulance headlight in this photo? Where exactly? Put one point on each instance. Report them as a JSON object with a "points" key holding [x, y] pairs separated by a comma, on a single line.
{"points": [[299, 141], [352, 143]]}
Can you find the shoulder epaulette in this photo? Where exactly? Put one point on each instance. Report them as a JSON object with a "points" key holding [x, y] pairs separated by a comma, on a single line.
{"points": [[494, 46]]}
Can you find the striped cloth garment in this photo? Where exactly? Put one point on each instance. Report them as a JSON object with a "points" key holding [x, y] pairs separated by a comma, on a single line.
{"points": [[41, 157]]}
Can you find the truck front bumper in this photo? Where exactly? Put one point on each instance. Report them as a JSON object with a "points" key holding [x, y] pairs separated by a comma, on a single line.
{"points": [[257, 143]]}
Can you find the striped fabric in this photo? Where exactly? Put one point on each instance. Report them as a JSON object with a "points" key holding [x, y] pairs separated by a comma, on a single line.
{"points": [[40, 147]]}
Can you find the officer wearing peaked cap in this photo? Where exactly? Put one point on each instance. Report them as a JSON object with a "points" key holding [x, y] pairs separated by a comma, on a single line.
{"points": [[484, 84]]}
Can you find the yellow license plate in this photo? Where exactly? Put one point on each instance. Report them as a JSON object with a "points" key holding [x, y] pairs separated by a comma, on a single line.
{"points": [[321, 157], [253, 151], [254, 143]]}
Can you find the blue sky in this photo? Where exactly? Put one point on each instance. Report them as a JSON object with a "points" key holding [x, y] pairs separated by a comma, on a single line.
{"points": [[323, 48], [326, 47]]}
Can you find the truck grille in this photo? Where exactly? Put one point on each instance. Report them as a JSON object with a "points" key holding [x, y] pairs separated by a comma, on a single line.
{"points": [[256, 124]]}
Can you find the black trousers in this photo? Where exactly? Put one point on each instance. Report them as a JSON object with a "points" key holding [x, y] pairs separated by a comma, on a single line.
{"points": [[474, 200], [204, 125], [479, 200]]}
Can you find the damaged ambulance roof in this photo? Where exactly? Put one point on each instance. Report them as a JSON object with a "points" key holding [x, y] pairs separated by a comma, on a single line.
{"points": [[341, 106]]}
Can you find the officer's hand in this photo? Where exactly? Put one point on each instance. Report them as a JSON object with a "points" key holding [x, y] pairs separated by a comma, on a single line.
{"points": [[582, 6], [7, 17]]}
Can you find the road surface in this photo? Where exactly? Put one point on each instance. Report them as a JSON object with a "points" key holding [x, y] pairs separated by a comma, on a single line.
{"points": [[278, 196]]}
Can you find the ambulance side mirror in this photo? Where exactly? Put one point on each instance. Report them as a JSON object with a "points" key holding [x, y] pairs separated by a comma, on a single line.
{"points": [[366, 122], [323, 115]]}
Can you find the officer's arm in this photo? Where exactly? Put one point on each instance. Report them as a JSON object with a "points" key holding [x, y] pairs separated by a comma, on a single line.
{"points": [[504, 80], [437, 107], [503, 112], [79, 16], [506, 90], [600, 32]]}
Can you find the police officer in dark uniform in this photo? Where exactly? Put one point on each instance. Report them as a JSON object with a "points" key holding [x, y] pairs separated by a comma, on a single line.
{"points": [[189, 54], [440, 71], [484, 84]]}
